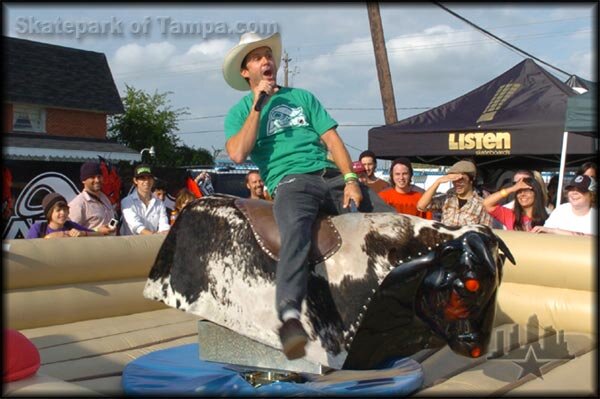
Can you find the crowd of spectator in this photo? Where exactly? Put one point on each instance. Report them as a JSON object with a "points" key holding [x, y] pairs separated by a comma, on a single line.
{"points": [[528, 204]]}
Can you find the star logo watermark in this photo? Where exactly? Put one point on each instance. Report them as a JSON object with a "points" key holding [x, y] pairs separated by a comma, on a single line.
{"points": [[538, 351], [531, 364]]}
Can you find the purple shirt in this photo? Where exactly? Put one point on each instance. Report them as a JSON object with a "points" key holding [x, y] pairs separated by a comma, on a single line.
{"points": [[36, 231]]}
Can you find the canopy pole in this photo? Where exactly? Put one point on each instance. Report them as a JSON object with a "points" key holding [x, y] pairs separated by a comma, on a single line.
{"points": [[561, 172]]}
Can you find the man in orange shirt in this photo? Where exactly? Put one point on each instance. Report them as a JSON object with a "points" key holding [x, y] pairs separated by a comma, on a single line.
{"points": [[402, 195]]}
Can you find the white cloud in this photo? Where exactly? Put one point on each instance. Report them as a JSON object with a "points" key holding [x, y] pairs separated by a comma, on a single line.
{"points": [[213, 48], [206, 56], [581, 64], [132, 57], [423, 64], [159, 61]]}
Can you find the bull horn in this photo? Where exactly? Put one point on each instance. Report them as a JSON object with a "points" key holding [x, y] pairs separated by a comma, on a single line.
{"points": [[475, 240], [506, 251]]}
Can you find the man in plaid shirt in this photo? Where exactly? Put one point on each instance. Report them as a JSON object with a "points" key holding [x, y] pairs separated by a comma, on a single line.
{"points": [[462, 205]]}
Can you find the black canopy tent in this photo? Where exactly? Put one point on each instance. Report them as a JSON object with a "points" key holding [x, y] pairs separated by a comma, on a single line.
{"points": [[516, 120]]}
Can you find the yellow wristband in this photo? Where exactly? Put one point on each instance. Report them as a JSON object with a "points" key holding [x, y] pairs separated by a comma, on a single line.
{"points": [[504, 193], [350, 176]]}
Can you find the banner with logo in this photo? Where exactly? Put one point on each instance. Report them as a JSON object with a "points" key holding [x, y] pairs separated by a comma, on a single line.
{"points": [[26, 183]]}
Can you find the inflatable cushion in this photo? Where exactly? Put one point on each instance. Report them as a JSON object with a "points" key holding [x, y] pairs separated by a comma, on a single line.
{"points": [[21, 357]]}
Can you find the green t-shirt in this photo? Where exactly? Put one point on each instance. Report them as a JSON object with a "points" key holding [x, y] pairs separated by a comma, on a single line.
{"points": [[289, 137]]}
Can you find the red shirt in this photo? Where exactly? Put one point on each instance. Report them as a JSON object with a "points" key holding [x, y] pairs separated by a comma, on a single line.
{"points": [[404, 203], [507, 217]]}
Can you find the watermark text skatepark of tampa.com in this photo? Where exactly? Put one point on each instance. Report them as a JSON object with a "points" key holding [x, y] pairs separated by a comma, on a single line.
{"points": [[114, 26]]}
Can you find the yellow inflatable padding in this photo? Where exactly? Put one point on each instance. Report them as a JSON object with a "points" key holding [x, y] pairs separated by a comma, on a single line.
{"points": [[106, 364], [550, 260], [542, 259], [497, 377], [91, 330], [563, 309], [40, 262], [39, 307], [43, 385]]}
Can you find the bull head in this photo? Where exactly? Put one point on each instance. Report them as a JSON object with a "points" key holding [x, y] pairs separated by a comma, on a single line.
{"points": [[445, 296], [456, 297]]}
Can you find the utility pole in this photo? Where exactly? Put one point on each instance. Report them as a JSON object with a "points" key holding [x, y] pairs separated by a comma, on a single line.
{"points": [[285, 60], [381, 62]]}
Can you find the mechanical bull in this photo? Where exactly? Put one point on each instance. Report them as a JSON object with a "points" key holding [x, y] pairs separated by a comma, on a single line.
{"points": [[382, 285]]}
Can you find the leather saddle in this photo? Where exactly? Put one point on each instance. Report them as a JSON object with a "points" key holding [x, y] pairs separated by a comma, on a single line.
{"points": [[326, 240]]}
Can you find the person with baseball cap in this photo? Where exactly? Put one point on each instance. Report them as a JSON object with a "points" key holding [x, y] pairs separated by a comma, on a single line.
{"points": [[57, 223], [578, 216], [460, 206], [91, 207], [288, 133], [143, 213]]}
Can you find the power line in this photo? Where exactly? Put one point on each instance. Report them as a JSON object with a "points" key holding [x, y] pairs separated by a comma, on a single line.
{"points": [[202, 117], [417, 35], [211, 65], [370, 109], [353, 147], [500, 40], [202, 132], [340, 125], [160, 72], [437, 45], [328, 108], [412, 35]]}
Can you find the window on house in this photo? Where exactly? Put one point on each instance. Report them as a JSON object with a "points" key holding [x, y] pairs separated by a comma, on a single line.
{"points": [[29, 118]]}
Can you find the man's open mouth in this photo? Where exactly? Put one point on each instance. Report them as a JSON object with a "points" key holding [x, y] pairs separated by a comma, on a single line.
{"points": [[267, 72]]}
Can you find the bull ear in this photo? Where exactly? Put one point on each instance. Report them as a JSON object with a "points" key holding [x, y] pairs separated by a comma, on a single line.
{"points": [[408, 269]]}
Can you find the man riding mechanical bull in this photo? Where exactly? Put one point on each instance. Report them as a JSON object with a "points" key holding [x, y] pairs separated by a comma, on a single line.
{"points": [[368, 286]]}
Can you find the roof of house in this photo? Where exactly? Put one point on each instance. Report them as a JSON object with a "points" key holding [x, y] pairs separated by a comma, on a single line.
{"points": [[45, 74], [31, 146]]}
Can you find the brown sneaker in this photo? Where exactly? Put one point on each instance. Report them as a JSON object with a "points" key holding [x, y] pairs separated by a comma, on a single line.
{"points": [[293, 339]]}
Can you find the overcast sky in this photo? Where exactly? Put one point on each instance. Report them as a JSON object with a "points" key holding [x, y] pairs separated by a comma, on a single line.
{"points": [[434, 57]]}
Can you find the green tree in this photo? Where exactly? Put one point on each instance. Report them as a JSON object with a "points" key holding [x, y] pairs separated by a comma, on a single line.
{"points": [[149, 120], [189, 156]]}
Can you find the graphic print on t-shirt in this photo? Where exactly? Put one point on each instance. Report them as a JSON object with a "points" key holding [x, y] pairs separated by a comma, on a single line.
{"points": [[282, 117]]}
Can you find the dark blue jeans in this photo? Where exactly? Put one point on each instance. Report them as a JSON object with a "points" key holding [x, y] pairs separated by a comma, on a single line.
{"points": [[299, 199]]}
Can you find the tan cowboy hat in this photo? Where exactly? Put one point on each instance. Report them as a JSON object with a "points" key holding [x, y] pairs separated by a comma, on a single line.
{"points": [[248, 42]]}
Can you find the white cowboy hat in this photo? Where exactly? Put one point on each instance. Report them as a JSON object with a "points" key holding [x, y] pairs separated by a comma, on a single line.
{"points": [[248, 42]]}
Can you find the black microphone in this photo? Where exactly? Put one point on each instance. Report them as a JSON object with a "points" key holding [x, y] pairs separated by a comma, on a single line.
{"points": [[262, 99]]}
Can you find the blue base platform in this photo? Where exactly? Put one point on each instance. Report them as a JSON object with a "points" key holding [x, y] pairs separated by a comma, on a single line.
{"points": [[179, 371]]}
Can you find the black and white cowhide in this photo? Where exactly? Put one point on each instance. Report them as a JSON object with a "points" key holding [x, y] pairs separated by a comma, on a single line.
{"points": [[396, 285]]}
